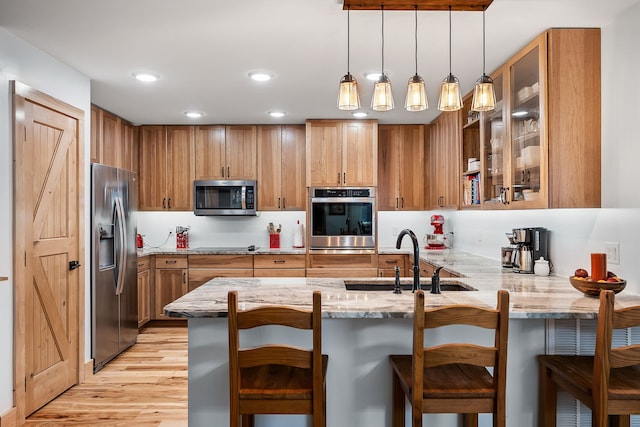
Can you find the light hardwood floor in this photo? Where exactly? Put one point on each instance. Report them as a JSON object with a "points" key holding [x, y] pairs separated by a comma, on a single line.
{"points": [[144, 386]]}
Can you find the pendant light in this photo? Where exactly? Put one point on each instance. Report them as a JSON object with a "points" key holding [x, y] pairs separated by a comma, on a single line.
{"points": [[382, 99], [416, 91], [484, 94], [348, 98], [450, 96]]}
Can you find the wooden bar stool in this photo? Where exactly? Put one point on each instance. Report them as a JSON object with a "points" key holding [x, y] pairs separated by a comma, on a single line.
{"points": [[453, 378], [275, 378], [608, 382]]}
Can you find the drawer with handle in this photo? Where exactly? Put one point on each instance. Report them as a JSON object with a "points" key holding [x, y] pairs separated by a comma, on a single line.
{"points": [[144, 263], [171, 261]]}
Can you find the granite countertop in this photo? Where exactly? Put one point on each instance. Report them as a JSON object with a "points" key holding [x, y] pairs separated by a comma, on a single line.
{"points": [[530, 296], [240, 250]]}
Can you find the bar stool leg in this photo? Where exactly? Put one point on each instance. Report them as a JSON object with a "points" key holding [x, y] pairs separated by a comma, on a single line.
{"points": [[620, 420], [397, 409], [248, 420], [470, 420], [547, 398]]}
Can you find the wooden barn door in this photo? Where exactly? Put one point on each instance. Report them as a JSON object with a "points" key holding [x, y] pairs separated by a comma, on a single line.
{"points": [[48, 187]]}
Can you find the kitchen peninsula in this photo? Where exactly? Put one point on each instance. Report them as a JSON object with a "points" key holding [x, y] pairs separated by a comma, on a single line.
{"points": [[360, 329]]}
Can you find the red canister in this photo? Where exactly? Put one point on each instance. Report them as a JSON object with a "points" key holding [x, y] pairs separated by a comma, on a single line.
{"points": [[139, 242]]}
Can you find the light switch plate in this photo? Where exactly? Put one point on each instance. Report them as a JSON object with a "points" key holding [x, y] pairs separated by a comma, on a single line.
{"points": [[612, 249]]}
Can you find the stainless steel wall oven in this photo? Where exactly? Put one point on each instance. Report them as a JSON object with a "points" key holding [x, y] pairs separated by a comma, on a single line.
{"points": [[342, 218]]}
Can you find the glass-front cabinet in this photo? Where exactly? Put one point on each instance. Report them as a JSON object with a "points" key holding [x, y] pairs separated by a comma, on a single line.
{"points": [[526, 141], [493, 130]]}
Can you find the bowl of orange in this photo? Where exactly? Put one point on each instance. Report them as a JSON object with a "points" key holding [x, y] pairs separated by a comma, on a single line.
{"points": [[592, 288]]}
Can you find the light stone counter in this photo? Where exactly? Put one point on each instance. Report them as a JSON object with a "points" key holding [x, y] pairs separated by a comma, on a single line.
{"points": [[530, 296], [221, 251], [361, 329]]}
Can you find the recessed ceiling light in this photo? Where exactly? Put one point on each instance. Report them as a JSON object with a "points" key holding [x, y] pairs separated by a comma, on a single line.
{"points": [[146, 77], [277, 114], [359, 114], [260, 76], [193, 114]]}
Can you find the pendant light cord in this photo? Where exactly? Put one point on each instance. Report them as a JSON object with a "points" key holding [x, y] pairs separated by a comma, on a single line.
{"points": [[416, 39], [348, 37], [483, 42], [449, 39], [382, 15]]}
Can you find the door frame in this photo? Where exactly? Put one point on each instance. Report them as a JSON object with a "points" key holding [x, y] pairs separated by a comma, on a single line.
{"points": [[19, 248]]}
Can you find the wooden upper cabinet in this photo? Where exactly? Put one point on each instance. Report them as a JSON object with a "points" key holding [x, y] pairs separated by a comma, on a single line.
{"points": [[129, 135], [153, 168], [401, 167], [112, 150], [324, 152], [166, 168], [180, 159], [281, 168], [114, 141], [96, 134], [241, 152], [226, 152], [210, 146], [342, 153], [442, 176], [360, 153]]}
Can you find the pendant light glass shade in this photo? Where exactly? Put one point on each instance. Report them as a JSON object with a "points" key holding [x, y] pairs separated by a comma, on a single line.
{"points": [[348, 97], [416, 91], [484, 94], [382, 99], [416, 95], [450, 96]]}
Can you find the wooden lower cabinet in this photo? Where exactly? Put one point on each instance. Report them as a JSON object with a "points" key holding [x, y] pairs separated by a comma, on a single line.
{"points": [[342, 265], [170, 281], [144, 290], [387, 265], [427, 269], [271, 265], [203, 268]]}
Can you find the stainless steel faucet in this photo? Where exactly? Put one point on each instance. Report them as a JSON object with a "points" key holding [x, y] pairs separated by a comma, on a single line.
{"points": [[416, 256]]}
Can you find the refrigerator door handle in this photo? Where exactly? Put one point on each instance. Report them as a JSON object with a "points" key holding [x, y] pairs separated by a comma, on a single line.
{"points": [[123, 245]]}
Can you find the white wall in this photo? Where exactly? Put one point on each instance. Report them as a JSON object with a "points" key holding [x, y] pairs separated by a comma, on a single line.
{"points": [[22, 62]]}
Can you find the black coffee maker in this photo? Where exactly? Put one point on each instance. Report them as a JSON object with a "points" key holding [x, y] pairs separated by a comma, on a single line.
{"points": [[532, 244]]}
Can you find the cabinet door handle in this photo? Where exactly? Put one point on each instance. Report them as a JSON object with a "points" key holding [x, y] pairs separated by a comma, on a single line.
{"points": [[184, 277], [338, 177], [402, 198], [278, 202], [279, 261], [170, 261], [380, 273], [396, 203], [440, 201], [391, 261], [528, 176], [228, 172], [164, 202], [344, 178], [522, 176], [222, 171], [140, 264], [284, 203]]}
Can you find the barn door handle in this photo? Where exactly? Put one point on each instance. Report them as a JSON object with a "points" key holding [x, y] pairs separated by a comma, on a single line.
{"points": [[74, 264]]}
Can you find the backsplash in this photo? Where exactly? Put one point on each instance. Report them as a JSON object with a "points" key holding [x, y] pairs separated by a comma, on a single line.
{"points": [[574, 233]]}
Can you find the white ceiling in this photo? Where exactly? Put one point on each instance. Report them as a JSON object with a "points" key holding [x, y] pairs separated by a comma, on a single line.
{"points": [[204, 49]]}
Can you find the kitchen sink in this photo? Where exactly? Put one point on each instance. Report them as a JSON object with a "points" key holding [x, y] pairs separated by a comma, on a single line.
{"points": [[406, 285]]}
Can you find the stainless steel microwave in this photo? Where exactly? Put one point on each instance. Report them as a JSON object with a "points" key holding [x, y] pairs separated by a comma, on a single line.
{"points": [[225, 197]]}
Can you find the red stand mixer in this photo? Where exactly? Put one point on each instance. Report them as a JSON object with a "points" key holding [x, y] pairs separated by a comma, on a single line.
{"points": [[436, 240]]}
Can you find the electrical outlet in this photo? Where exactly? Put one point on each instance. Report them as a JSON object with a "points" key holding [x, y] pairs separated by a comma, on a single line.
{"points": [[612, 249]]}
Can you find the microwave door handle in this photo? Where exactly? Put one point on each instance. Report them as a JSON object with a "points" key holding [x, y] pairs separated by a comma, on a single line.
{"points": [[244, 197]]}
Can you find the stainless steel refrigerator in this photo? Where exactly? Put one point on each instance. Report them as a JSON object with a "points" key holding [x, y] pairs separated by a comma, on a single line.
{"points": [[114, 286]]}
